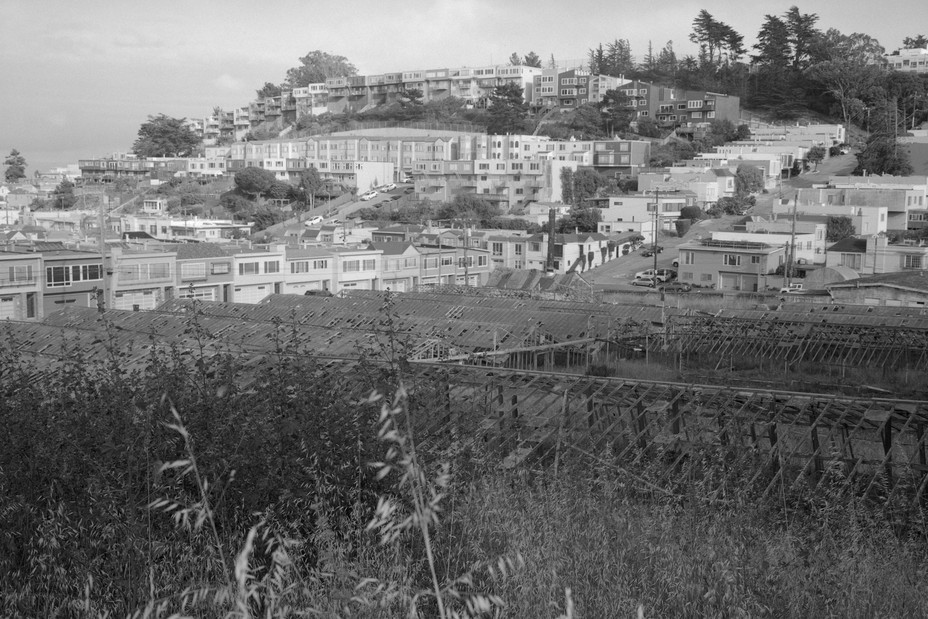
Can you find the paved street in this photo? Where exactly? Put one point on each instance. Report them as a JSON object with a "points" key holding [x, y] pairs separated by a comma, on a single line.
{"points": [[619, 273]]}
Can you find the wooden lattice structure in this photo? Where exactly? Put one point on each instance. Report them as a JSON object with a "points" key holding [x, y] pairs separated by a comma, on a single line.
{"points": [[791, 338]]}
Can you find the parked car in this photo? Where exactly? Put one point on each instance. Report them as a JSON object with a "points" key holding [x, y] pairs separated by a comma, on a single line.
{"points": [[406, 179], [650, 251], [409, 190], [675, 263], [791, 288], [661, 275], [396, 197], [312, 221], [676, 287], [644, 281], [388, 187], [369, 195]]}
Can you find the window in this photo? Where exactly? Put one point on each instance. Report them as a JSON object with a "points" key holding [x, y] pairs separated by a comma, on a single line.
{"points": [[320, 264], [299, 267], [705, 277], [272, 266], [481, 261], [852, 261], [693, 104], [196, 270], [22, 273], [755, 259], [248, 268], [219, 268], [518, 247], [159, 270], [352, 266], [369, 265], [731, 259], [911, 262], [497, 249], [431, 263], [447, 261], [534, 246]]}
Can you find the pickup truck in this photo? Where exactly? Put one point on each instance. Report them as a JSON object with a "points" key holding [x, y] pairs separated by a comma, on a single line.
{"points": [[791, 288]]}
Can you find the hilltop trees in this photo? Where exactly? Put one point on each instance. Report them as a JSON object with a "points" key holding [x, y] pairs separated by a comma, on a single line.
{"points": [[163, 136], [507, 110], [15, 166], [316, 67]]}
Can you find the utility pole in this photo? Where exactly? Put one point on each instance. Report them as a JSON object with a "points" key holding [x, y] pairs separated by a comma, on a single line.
{"points": [[657, 208], [792, 246]]}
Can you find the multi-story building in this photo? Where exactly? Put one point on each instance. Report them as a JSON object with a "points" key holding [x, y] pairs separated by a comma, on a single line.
{"points": [[72, 278], [730, 265], [141, 279], [308, 269], [203, 271], [874, 255], [400, 264], [676, 107], [356, 268], [645, 206], [257, 272], [570, 89], [709, 184], [910, 60], [20, 285]]}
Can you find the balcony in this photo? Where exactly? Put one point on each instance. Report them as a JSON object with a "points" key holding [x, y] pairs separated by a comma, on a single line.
{"points": [[18, 282]]}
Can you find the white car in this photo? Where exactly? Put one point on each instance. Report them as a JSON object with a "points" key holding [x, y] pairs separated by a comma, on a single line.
{"points": [[388, 187], [312, 221], [370, 195]]}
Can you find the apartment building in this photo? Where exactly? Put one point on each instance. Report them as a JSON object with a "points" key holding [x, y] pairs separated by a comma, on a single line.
{"points": [[679, 107], [898, 201], [865, 219], [908, 60], [570, 89]]}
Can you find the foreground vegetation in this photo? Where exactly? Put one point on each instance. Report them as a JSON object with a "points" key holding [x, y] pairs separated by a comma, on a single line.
{"points": [[214, 485]]}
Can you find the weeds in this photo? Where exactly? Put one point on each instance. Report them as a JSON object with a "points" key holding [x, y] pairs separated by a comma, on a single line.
{"points": [[268, 506]]}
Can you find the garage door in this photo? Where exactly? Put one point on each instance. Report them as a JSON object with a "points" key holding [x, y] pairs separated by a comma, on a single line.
{"points": [[251, 294], [204, 294], [728, 281], [395, 285], [7, 308], [136, 300]]}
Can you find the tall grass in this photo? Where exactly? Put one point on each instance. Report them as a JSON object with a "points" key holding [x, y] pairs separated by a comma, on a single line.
{"points": [[210, 485]]}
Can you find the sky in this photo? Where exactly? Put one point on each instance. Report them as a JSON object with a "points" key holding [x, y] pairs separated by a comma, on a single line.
{"points": [[77, 79]]}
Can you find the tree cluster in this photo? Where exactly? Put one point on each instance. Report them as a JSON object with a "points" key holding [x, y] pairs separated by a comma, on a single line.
{"points": [[15, 167], [164, 136]]}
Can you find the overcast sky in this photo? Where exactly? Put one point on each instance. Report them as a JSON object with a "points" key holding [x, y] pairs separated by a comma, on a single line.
{"points": [[78, 78]]}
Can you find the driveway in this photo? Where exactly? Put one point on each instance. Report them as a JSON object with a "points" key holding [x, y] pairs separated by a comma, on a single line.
{"points": [[619, 273]]}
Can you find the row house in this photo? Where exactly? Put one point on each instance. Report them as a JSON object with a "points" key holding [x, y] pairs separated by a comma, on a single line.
{"points": [[206, 167], [874, 255], [195, 228], [731, 265], [20, 285], [257, 272], [204, 272], [72, 278], [140, 279], [308, 269], [407, 266], [576, 252], [311, 99], [108, 169]]}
